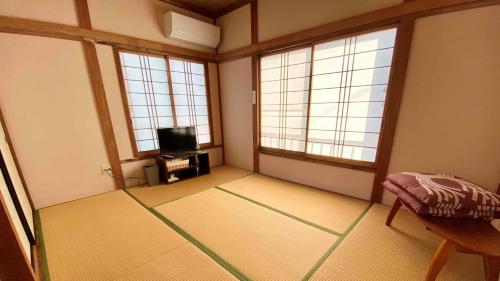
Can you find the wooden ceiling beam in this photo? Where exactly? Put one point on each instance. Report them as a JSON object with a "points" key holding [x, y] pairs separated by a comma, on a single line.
{"points": [[189, 7], [386, 16], [205, 12], [390, 15], [63, 31]]}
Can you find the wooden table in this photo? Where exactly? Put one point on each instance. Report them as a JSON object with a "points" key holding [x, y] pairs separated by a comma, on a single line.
{"points": [[473, 236]]}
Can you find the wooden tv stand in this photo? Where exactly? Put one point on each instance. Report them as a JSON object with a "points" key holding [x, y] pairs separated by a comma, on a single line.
{"points": [[199, 164]]}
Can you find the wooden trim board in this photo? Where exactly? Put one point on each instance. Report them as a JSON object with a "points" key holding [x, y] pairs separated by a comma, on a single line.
{"points": [[337, 162], [100, 96], [83, 14], [220, 115], [15, 200], [255, 85], [386, 16], [69, 32], [393, 101], [369, 20], [14, 157]]}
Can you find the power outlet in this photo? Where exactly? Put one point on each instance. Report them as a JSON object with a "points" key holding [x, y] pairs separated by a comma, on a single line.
{"points": [[105, 170]]}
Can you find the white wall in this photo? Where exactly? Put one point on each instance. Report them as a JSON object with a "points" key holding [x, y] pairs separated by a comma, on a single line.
{"points": [[449, 120], [346, 181], [235, 29], [52, 119], [138, 18], [236, 88], [278, 18], [58, 11]]}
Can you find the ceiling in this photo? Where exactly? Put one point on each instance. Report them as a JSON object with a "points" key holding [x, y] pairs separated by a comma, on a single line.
{"points": [[211, 5], [211, 8]]}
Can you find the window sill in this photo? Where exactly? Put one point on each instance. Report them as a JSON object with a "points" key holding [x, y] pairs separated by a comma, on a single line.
{"points": [[338, 162]]}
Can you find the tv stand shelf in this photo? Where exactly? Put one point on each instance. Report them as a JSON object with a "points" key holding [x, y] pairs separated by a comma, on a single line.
{"points": [[199, 164]]}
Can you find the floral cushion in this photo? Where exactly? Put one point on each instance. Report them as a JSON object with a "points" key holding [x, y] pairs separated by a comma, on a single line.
{"points": [[444, 195]]}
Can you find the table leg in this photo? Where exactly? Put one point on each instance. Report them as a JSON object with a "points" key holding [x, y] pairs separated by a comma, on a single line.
{"points": [[492, 266], [443, 252], [392, 213]]}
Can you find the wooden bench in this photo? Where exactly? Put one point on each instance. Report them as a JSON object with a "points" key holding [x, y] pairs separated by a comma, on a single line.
{"points": [[473, 236]]}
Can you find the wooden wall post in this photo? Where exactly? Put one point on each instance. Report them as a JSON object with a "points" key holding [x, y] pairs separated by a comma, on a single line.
{"points": [[255, 84], [100, 95], [392, 103]]}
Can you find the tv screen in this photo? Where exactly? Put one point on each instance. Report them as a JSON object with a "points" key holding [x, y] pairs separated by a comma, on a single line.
{"points": [[176, 139]]}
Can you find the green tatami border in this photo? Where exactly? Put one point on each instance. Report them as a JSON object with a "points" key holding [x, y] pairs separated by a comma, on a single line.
{"points": [[222, 262], [231, 268], [146, 206], [41, 244], [335, 245], [156, 205], [331, 231]]}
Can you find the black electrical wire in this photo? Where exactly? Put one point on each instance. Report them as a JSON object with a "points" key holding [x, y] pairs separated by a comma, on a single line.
{"points": [[125, 179]]}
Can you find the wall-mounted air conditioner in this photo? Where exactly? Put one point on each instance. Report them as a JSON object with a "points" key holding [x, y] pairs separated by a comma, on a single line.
{"points": [[186, 29]]}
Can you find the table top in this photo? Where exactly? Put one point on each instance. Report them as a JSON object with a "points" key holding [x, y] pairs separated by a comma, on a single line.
{"points": [[476, 235]]}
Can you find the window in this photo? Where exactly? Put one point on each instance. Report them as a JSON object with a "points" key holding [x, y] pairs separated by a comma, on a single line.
{"points": [[163, 92], [284, 95], [190, 97], [327, 99]]}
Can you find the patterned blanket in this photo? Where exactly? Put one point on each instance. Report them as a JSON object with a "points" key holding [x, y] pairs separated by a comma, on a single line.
{"points": [[444, 195]]}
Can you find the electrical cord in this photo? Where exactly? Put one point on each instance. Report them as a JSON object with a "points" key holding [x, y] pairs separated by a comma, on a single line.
{"points": [[124, 179]]}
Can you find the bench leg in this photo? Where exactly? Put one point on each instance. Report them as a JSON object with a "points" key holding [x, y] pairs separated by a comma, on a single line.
{"points": [[392, 213], [443, 252], [492, 265]]}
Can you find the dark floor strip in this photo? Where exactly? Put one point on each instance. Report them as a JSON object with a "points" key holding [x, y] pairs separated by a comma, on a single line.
{"points": [[41, 245]]}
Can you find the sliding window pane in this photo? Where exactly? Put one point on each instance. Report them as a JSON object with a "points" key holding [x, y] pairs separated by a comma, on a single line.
{"points": [[190, 97], [165, 122], [284, 99], [146, 84], [349, 83], [146, 145], [141, 123]]}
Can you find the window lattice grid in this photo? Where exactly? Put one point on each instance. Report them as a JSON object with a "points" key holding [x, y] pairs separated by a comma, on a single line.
{"points": [[148, 95], [284, 99], [190, 97], [349, 83], [339, 113]]}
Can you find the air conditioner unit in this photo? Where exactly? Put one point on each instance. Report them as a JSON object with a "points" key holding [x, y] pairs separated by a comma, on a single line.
{"points": [[186, 29]]}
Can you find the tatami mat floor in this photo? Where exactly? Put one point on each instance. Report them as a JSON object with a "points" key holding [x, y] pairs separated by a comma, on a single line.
{"points": [[327, 210], [156, 195], [110, 236], [258, 242], [249, 227], [373, 251]]}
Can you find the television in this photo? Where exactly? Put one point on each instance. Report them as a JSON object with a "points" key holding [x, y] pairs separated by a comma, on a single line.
{"points": [[175, 140]]}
